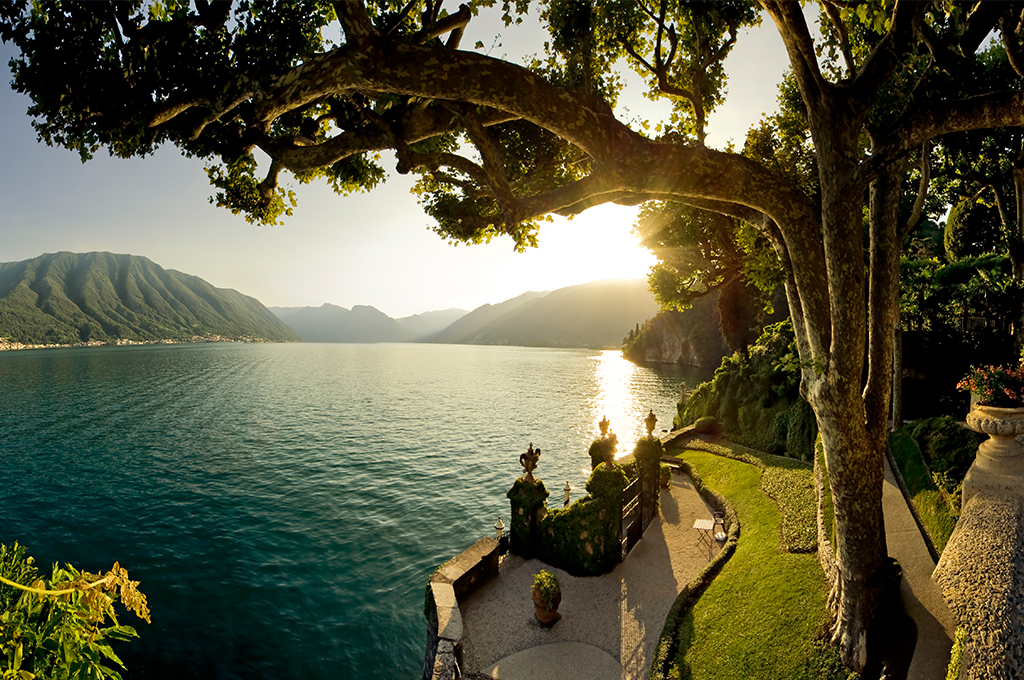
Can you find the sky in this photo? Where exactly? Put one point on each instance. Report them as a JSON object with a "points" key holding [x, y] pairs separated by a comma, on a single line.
{"points": [[365, 249]]}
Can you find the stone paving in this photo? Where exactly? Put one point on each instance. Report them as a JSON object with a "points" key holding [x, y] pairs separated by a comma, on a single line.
{"points": [[621, 613]]}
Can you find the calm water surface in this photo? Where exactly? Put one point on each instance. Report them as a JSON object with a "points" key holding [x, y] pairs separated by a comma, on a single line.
{"points": [[283, 505]]}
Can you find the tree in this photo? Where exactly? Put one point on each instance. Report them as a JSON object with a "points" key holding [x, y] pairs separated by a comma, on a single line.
{"points": [[546, 141]]}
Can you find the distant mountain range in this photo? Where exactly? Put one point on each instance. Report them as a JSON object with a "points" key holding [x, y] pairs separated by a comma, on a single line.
{"points": [[330, 323], [596, 315], [71, 298], [74, 298]]}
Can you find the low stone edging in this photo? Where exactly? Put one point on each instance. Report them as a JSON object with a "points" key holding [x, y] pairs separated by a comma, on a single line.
{"points": [[981, 572], [456, 579], [666, 648]]}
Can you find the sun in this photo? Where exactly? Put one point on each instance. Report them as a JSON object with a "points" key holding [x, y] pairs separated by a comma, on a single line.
{"points": [[597, 244]]}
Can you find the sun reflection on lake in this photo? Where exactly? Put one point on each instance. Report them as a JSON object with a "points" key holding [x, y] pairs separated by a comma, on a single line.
{"points": [[618, 399]]}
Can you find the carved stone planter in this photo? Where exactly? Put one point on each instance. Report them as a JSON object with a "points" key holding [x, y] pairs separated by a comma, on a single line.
{"points": [[998, 468]]}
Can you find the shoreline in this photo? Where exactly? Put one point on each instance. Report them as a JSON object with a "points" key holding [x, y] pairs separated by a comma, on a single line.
{"points": [[7, 345]]}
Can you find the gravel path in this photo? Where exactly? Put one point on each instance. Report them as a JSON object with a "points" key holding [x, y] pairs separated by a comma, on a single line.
{"points": [[621, 613]]}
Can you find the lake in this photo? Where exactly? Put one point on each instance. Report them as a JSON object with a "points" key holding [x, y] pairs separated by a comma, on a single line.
{"points": [[284, 505]]}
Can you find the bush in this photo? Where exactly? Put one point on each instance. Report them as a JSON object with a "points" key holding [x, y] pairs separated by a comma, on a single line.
{"points": [[948, 449], [58, 627], [756, 398], [549, 590], [707, 425]]}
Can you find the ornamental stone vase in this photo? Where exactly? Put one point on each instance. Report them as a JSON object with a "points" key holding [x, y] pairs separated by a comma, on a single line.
{"points": [[998, 468]]}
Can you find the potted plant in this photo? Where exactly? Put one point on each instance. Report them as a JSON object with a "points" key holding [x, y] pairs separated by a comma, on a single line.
{"points": [[547, 594], [664, 475], [995, 386], [999, 413]]}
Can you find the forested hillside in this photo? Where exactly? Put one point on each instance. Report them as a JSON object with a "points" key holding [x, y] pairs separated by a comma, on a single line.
{"points": [[68, 298]]}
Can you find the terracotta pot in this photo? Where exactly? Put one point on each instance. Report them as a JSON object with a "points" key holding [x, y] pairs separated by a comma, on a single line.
{"points": [[545, 617]]}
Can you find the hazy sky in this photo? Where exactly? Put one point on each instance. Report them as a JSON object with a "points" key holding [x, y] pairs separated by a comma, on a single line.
{"points": [[366, 249]]}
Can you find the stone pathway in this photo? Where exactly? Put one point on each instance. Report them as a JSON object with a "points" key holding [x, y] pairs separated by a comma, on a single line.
{"points": [[921, 595], [610, 624]]}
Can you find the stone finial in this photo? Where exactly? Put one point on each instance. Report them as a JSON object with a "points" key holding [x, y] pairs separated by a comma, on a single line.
{"points": [[650, 422], [529, 461]]}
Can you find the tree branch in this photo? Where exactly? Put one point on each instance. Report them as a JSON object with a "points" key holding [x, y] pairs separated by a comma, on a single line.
{"points": [[844, 36], [1010, 44], [922, 193], [998, 109], [879, 65], [789, 19], [355, 22]]}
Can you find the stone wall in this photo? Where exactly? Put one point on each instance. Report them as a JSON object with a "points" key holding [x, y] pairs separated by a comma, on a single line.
{"points": [[456, 579], [981, 573]]}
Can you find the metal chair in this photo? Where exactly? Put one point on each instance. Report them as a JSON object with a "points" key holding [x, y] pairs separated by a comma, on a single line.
{"points": [[719, 533]]}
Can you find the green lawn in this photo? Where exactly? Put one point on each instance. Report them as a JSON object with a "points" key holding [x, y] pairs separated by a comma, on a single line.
{"points": [[762, 616], [932, 504]]}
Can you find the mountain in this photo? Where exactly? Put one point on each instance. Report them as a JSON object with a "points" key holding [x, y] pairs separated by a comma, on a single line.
{"points": [[331, 323], [68, 298], [597, 314], [428, 323], [474, 327]]}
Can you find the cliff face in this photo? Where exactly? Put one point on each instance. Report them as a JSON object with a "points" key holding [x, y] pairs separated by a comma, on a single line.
{"points": [[689, 338]]}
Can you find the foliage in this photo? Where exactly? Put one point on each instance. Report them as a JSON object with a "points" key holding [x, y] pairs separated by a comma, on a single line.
{"points": [[956, 654], [648, 450], [953, 315], [583, 538], [664, 474], [725, 634], [707, 425], [972, 229], [1001, 386], [602, 449], [548, 588], [755, 398], [948, 449], [58, 627], [937, 508]]}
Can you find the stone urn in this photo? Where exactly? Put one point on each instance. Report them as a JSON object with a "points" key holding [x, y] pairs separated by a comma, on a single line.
{"points": [[998, 468]]}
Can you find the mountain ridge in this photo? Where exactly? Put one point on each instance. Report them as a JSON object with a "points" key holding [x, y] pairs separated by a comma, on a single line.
{"points": [[98, 297]]}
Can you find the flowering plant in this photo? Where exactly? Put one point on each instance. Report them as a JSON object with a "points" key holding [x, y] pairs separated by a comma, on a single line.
{"points": [[998, 386]]}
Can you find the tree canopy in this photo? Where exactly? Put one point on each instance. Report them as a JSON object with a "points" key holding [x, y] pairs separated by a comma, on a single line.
{"points": [[322, 88]]}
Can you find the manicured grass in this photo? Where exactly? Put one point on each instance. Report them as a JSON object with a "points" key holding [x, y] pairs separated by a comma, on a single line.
{"points": [[761, 617], [788, 482], [932, 504]]}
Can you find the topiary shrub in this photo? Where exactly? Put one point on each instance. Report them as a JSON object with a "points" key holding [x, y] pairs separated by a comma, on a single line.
{"points": [[549, 590], [707, 425]]}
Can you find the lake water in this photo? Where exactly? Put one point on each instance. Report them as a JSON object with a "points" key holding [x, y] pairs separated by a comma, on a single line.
{"points": [[284, 505]]}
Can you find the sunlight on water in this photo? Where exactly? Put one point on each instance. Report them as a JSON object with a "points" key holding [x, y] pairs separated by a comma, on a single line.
{"points": [[623, 399], [284, 505]]}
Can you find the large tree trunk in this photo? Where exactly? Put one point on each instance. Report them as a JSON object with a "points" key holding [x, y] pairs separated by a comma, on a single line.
{"points": [[855, 474]]}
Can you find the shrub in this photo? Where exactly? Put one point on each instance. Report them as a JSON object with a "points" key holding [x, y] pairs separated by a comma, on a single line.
{"points": [[58, 627], [948, 449], [707, 425], [549, 590]]}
